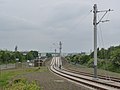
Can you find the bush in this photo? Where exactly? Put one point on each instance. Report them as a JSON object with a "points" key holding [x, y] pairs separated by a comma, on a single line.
{"points": [[22, 84], [90, 63]]}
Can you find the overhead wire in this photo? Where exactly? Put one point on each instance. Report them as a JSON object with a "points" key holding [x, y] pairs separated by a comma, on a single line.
{"points": [[104, 54], [85, 17], [82, 19], [99, 38]]}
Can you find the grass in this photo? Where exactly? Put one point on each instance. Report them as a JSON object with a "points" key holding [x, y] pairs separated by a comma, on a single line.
{"points": [[7, 75], [22, 84], [50, 81], [41, 77], [91, 70]]}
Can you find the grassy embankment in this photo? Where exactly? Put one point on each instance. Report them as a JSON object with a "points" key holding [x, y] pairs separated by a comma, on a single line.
{"points": [[82, 68], [7, 79]]}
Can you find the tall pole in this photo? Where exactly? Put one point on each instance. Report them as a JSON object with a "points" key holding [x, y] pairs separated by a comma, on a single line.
{"points": [[55, 52], [55, 57], [95, 23], [95, 39], [60, 61], [60, 47]]}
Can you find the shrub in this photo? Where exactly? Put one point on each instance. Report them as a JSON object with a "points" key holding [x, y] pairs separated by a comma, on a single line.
{"points": [[22, 84]]}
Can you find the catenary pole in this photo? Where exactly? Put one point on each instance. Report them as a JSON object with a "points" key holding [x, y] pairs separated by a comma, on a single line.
{"points": [[60, 48], [95, 39], [95, 23]]}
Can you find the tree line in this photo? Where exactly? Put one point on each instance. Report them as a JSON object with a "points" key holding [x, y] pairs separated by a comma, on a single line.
{"points": [[108, 59], [12, 57]]}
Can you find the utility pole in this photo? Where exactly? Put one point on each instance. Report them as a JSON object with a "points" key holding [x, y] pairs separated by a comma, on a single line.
{"points": [[55, 52], [55, 57], [60, 61], [95, 40], [16, 48], [95, 23], [60, 47]]}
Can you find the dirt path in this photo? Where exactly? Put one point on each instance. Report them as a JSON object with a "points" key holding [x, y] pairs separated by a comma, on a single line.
{"points": [[49, 81]]}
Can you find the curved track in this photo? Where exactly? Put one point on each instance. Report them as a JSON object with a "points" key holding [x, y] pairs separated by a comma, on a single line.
{"points": [[100, 84], [91, 75]]}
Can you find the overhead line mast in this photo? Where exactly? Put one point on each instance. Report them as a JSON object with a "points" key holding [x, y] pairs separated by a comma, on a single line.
{"points": [[60, 43], [95, 23]]}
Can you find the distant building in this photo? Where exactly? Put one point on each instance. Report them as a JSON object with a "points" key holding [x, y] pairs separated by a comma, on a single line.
{"points": [[82, 53], [24, 52], [43, 54], [39, 62], [71, 54]]}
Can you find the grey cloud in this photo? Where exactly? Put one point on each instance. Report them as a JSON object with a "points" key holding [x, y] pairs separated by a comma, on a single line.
{"points": [[16, 23], [36, 24]]}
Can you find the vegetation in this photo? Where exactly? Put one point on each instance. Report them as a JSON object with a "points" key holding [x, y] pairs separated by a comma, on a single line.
{"points": [[48, 55], [31, 55], [6, 77], [11, 57], [107, 59], [22, 84]]}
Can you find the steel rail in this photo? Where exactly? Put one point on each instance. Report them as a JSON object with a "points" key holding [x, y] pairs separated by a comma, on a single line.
{"points": [[91, 75], [63, 74]]}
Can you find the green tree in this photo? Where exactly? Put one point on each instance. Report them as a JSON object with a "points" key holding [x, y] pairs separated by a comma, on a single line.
{"points": [[84, 59], [20, 56], [48, 55], [29, 56], [116, 57], [32, 55]]}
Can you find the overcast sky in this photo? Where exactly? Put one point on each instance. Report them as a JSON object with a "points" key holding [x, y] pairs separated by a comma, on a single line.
{"points": [[41, 24]]}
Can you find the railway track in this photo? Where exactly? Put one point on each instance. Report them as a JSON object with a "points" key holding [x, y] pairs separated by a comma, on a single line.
{"points": [[91, 75], [85, 80]]}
